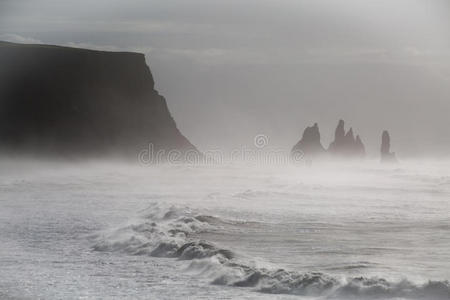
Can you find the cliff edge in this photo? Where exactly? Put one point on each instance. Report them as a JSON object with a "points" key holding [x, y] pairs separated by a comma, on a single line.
{"points": [[59, 100]]}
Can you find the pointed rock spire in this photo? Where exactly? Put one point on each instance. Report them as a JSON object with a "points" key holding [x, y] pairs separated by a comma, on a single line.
{"points": [[349, 137], [360, 149], [340, 130], [310, 144], [345, 144], [386, 155]]}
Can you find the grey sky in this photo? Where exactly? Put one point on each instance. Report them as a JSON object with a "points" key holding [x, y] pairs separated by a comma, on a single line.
{"points": [[233, 69]]}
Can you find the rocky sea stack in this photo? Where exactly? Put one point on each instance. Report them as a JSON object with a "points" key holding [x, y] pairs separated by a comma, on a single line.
{"points": [[386, 155], [310, 145], [68, 101], [345, 144]]}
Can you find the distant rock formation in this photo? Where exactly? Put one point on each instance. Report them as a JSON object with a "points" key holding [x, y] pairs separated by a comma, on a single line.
{"points": [[386, 155], [359, 147], [59, 100], [309, 145], [345, 144], [339, 138]]}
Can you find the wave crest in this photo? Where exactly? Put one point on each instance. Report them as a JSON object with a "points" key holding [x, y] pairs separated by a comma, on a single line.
{"points": [[173, 232]]}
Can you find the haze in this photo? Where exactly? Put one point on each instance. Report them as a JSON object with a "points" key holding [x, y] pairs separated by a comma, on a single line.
{"points": [[233, 69]]}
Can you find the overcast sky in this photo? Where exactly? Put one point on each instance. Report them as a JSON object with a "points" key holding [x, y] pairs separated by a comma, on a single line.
{"points": [[236, 68]]}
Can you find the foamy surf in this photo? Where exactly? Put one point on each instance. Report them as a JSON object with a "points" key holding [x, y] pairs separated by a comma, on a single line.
{"points": [[175, 232]]}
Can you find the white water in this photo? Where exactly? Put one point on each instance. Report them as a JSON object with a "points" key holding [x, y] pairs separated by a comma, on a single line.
{"points": [[100, 230]]}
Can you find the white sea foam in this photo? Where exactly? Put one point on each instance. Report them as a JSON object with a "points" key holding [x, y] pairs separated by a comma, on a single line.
{"points": [[175, 232], [362, 232]]}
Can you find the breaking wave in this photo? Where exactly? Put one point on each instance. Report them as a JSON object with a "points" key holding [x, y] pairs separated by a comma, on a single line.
{"points": [[174, 232]]}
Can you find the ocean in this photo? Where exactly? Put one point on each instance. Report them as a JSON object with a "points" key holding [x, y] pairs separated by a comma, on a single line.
{"points": [[111, 230]]}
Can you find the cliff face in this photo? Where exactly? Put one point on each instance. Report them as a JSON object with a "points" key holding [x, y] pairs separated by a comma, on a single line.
{"points": [[76, 101]]}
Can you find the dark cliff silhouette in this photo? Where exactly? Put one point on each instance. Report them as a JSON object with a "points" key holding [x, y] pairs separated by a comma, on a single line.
{"points": [[310, 145], [59, 100], [386, 155], [345, 145]]}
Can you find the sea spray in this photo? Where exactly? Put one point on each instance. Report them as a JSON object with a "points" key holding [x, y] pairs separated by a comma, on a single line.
{"points": [[173, 232]]}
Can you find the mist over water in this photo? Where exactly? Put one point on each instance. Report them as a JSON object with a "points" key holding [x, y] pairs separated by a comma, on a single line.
{"points": [[112, 229], [172, 165], [233, 69]]}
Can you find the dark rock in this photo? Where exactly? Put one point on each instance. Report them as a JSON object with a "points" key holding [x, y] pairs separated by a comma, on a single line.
{"points": [[339, 137], [309, 145], [349, 137], [386, 155], [360, 148], [59, 100], [345, 144]]}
